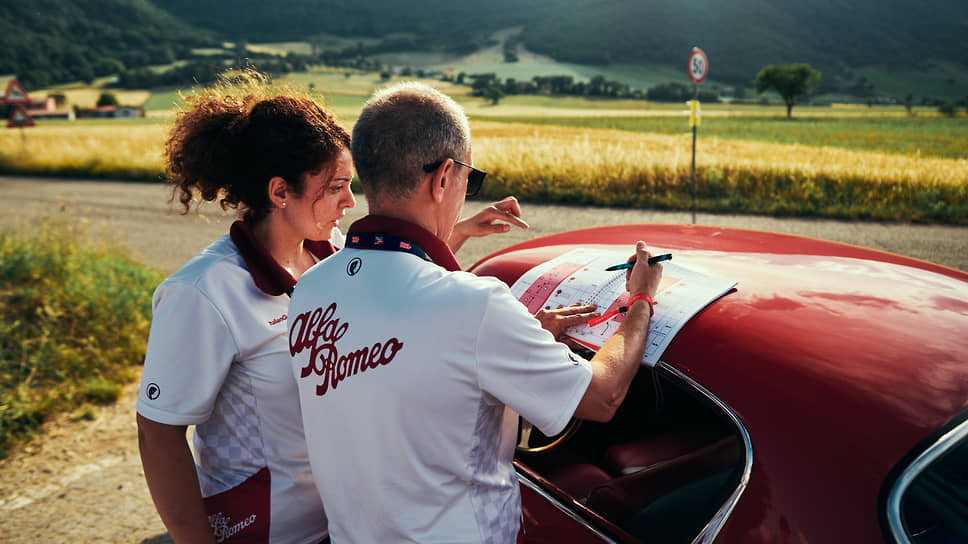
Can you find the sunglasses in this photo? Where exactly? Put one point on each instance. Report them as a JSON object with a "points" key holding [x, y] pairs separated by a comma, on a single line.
{"points": [[474, 180]]}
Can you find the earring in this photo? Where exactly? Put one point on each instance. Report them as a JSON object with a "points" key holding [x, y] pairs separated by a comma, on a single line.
{"points": [[283, 204]]}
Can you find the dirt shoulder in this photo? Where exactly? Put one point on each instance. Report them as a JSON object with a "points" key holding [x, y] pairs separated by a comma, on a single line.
{"points": [[81, 481]]}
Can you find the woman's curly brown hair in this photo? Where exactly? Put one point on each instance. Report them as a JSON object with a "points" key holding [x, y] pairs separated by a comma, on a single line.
{"points": [[235, 137]]}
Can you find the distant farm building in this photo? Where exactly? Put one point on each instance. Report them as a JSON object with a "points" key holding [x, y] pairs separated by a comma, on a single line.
{"points": [[113, 112], [46, 108]]}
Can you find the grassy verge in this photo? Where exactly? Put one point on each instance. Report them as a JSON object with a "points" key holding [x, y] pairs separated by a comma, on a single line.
{"points": [[76, 317]]}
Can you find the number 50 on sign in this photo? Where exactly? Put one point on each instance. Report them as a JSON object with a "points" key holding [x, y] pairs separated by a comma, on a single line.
{"points": [[698, 66]]}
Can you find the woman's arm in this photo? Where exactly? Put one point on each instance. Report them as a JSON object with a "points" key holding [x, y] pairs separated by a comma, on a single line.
{"points": [[173, 482]]}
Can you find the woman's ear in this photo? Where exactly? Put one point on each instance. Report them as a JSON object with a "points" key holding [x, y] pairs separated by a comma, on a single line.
{"points": [[278, 191]]}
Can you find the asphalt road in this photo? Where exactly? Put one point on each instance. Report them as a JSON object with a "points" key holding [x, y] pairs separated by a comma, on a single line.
{"points": [[140, 216]]}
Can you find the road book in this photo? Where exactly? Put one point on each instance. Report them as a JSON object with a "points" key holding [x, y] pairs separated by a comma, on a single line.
{"points": [[580, 276]]}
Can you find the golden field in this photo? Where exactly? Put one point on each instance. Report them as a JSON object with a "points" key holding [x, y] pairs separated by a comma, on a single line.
{"points": [[590, 166], [95, 149], [513, 151], [607, 156]]}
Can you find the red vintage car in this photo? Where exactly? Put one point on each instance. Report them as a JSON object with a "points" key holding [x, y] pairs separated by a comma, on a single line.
{"points": [[823, 400]]}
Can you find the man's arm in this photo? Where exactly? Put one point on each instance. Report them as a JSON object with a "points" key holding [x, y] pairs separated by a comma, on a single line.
{"points": [[615, 364], [494, 219]]}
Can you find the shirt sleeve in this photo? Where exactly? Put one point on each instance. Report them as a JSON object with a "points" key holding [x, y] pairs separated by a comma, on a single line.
{"points": [[522, 365], [190, 351]]}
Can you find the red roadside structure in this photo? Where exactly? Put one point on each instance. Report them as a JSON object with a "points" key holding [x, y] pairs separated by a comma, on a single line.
{"points": [[16, 96]]}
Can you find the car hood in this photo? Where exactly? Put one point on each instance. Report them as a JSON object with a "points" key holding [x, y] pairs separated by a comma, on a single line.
{"points": [[859, 346]]}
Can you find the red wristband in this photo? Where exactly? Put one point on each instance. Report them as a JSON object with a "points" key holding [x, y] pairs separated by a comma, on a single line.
{"points": [[622, 309], [645, 297]]}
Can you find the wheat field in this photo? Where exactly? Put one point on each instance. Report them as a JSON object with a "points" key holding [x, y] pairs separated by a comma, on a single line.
{"points": [[591, 166], [597, 156]]}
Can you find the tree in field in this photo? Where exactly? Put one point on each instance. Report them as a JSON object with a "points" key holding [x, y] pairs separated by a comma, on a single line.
{"points": [[493, 93], [789, 81], [948, 109], [107, 99]]}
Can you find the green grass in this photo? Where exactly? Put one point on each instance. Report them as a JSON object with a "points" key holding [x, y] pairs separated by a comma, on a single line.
{"points": [[76, 318], [566, 103], [345, 101], [940, 80], [163, 100], [924, 136]]}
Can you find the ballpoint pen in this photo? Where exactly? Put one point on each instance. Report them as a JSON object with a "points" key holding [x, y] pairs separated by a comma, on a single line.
{"points": [[652, 260]]}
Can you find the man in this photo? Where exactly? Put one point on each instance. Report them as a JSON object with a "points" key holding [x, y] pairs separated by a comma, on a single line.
{"points": [[410, 371]]}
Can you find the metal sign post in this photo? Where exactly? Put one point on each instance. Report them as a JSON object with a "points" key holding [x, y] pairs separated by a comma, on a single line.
{"points": [[698, 68]]}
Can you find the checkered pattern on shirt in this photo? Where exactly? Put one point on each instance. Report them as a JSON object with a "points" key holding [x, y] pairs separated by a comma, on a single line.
{"points": [[231, 439], [495, 494]]}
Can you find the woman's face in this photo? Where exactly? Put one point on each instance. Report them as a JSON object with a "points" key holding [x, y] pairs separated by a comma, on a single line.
{"points": [[326, 197]]}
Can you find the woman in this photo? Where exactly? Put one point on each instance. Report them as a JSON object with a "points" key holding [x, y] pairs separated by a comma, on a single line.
{"points": [[217, 354]]}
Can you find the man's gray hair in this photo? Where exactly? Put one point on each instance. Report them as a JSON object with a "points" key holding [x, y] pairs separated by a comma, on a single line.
{"points": [[400, 129]]}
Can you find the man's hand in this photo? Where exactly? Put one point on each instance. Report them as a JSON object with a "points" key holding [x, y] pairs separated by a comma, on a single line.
{"points": [[643, 278], [556, 321], [494, 219]]}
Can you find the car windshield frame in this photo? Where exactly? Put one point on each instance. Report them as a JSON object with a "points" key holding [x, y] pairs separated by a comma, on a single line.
{"points": [[947, 441], [716, 523]]}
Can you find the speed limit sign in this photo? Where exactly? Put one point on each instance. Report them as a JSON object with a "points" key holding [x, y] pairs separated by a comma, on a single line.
{"points": [[698, 65]]}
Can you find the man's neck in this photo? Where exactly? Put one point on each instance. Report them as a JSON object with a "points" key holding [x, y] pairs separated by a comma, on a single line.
{"points": [[409, 211]]}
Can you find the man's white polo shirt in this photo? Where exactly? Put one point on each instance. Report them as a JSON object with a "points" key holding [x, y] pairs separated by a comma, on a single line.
{"points": [[217, 358], [409, 378]]}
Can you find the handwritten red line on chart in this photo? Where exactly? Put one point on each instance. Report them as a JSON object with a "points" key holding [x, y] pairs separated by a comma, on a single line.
{"points": [[665, 283]]}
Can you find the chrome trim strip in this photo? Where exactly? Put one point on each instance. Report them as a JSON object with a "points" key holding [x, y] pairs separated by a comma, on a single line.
{"points": [[928, 456], [715, 525], [568, 511]]}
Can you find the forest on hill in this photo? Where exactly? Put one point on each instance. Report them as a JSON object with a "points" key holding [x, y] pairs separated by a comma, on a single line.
{"points": [[56, 41], [741, 36]]}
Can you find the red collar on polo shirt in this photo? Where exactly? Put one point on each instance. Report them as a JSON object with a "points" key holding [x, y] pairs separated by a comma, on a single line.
{"points": [[269, 277], [438, 251]]}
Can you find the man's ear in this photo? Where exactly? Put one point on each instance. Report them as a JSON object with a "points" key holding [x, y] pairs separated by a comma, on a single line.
{"points": [[439, 180], [278, 191]]}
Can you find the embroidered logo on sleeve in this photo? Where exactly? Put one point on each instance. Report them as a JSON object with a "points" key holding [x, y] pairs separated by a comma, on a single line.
{"points": [[319, 331], [153, 391]]}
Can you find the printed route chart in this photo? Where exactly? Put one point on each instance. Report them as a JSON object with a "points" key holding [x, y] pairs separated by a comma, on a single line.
{"points": [[579, 276]]}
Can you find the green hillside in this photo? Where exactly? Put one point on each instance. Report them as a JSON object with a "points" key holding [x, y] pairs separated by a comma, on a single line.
{"points": [[861, 46], [864, 48], [741, 36], [55, 41], [456, 25]]}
